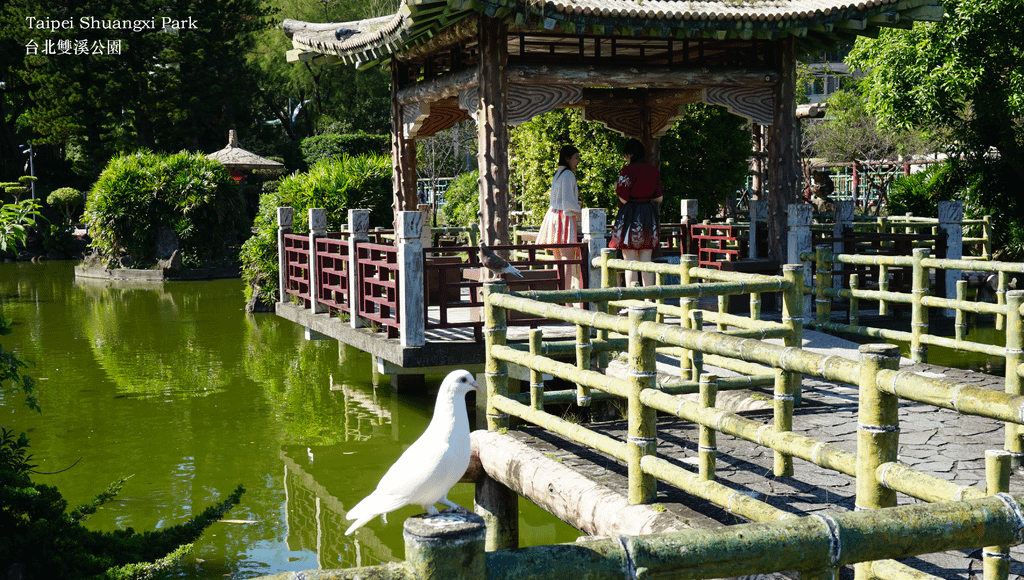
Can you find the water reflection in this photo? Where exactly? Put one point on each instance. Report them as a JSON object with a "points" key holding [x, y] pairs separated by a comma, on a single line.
{"points": [[174, 385]]}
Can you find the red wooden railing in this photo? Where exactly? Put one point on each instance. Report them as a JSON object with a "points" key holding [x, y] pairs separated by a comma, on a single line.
{"points": [[332, 263], [296, 249], [378, 277]]}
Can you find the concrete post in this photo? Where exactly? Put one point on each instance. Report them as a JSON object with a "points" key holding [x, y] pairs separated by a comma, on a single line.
{"points": [[793, 317], [285, 216], [642, 432], [996, 559], [878, 431], [688, 212], [1014, 357], [426, 235], [799, 242], [445, 546], [754, 207], [358, 233], [951, 218], [595, 223], [495, 331], [317, 229], [918, 311], [843, 220], [411, 300], [499, 507], [707, 446]]}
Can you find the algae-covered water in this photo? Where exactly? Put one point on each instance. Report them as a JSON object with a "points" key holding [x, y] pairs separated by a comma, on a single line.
{"points": [[177, 387]]}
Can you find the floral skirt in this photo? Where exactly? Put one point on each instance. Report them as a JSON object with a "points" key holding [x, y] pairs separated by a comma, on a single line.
{"points": [[558, 227], [636, 227]]}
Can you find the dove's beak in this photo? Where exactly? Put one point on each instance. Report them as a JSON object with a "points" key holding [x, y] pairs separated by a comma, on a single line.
{"points": [[477, 387]]}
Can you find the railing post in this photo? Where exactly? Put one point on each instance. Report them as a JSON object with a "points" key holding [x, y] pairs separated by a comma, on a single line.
{"points": [[426, 234], [1002, 283], [595, 223], [793, 317], [799, 242], [986, 232], [495, 330], [854, 311], [822, 281], [686, 305], [583, 350], [317, 229], [1014, 357], [411, 300], [536, 377], [285, 217], [951, 218], [642, 431], [707, 446], [960, 329], [696, 357], [448, 547], [606, 282], [883, 287], [996, 559], [358, 233], [878, 432], [918, 311]]}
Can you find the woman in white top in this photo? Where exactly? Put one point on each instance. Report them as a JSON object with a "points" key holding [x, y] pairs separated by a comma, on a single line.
{"points": [[561, 222]]}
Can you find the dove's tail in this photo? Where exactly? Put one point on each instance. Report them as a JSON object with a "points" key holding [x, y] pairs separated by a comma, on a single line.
{"points": [[513, 271], [359, 523]]}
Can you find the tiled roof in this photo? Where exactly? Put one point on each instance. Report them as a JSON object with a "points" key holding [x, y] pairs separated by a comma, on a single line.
{"points": [[419, 20]]}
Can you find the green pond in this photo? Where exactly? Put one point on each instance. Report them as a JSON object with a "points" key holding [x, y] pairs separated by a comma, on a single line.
{"points": [[176, 386]]}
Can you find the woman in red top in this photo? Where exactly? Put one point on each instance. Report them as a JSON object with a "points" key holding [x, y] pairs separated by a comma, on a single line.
{"points": [[636, 227]]}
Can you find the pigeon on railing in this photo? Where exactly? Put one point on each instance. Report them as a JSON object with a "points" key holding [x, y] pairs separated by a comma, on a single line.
{"points": [[429, 468], [496, 264]]}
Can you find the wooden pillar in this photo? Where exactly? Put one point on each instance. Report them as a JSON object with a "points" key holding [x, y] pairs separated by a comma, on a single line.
{"points": [[492, 131], [782, 150], [403, 151]]}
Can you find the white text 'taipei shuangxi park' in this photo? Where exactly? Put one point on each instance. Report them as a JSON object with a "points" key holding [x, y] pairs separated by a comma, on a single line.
{"points": [[92, 23]]}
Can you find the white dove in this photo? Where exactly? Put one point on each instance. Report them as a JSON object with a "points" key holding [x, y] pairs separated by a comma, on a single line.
{"points": [[496, 263], [429, 468]]}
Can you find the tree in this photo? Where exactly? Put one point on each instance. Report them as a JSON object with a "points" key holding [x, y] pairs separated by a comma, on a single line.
{"points": [[849, 134], [704, 156], [963, 74], [166, 75], [533, 153]]}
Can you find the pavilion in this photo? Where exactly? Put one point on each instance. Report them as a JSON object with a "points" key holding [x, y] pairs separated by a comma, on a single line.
{"points": [[631, 65]]}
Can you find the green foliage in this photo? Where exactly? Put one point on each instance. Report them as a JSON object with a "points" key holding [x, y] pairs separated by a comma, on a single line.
{"points": [[65, 199], [919, 193], [15, 219], [462, 200], [11, 378], [194, 196], [16, 189], [962, 75], [38, 531], [334, 145], [533, 151], [336, 184], [704, 156]]}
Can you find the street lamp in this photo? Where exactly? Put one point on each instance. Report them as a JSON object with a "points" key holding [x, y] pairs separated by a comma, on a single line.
{"points": [[31, 166]]}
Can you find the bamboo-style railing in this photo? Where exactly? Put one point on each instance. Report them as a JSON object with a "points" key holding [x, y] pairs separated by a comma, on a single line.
{"points": [[874, 465]]}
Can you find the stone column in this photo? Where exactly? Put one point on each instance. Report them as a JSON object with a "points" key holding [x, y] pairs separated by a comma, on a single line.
{"points": [[317, 229], [799, 218], [445, 546], [843, 220], [951, 218], [358, 233], [411, 300], [595, 223], [284, 226]]}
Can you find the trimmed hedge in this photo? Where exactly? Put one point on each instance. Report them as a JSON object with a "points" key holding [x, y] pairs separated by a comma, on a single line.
{"points": [[138, 194]]}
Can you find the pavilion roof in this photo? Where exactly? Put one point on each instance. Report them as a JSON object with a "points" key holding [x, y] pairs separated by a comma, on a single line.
{"points": [[417, 22], [234, 157]]}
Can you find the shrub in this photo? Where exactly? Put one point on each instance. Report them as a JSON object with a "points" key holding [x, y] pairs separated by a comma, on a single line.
{"points": [[335, 184], [335, 145], [919, 193], [140, 193], [65, 199]]}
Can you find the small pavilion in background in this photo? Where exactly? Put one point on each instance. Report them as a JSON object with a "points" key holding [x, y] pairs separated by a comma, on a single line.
{"points": [[630, 65]]}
